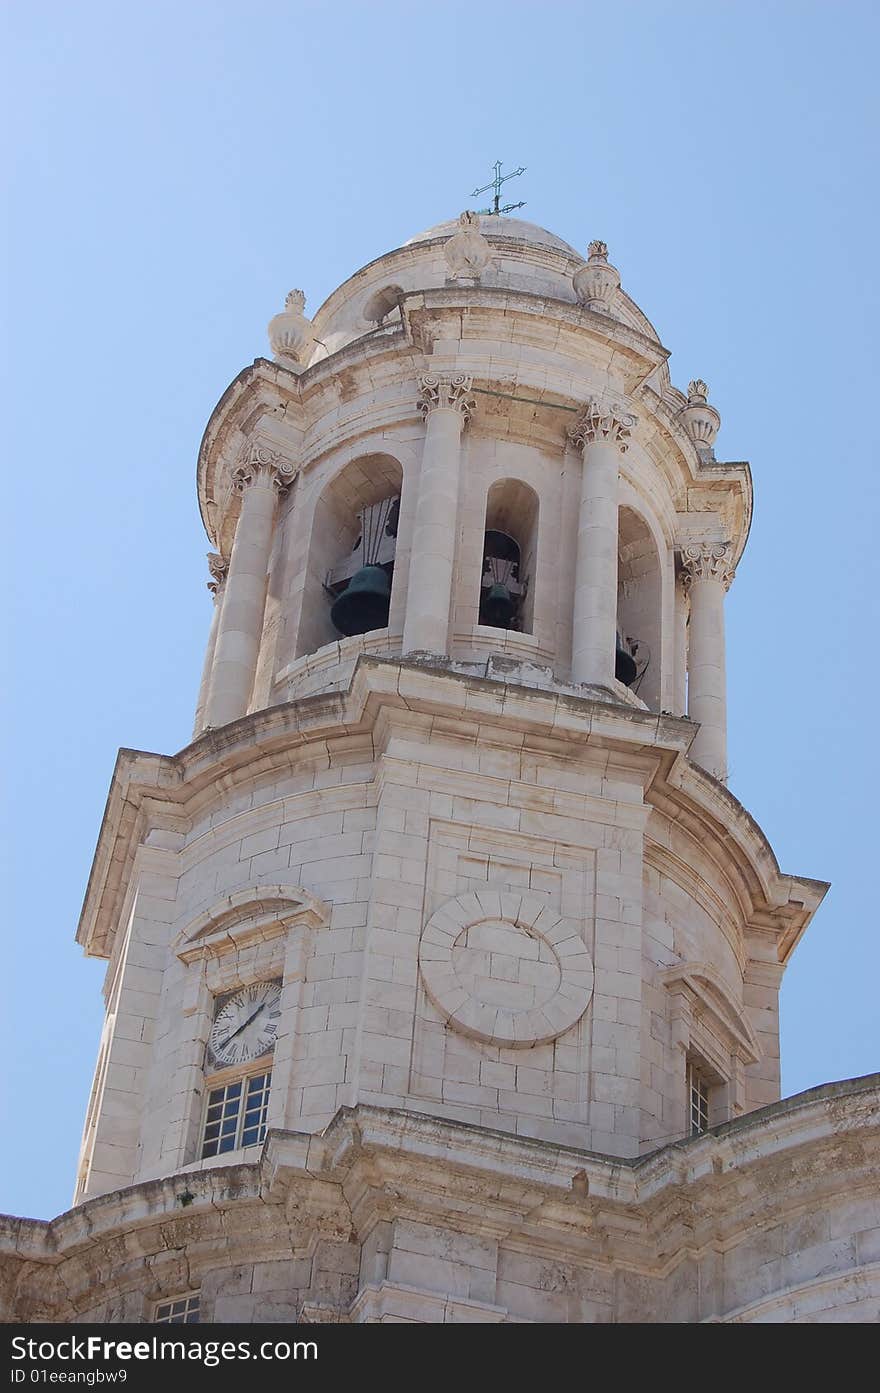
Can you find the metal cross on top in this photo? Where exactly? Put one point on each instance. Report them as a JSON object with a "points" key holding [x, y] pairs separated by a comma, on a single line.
{"points": [[496, 185]]}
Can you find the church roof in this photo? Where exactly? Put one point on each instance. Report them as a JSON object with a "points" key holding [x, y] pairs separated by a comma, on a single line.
{"points": [[498, 226]]}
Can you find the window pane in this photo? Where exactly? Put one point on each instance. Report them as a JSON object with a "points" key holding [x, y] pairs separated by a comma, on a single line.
{"points": [[183, 1310], [698, 1101], [236, 1114]]}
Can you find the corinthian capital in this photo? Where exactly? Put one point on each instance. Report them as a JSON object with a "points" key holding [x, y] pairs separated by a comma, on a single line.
{"points": [[602, 425], [707, 561], [446, 390], [218, 568], [260, 463]]}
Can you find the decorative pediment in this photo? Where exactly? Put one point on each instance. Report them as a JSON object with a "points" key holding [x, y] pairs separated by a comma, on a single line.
{"points": [[254, 914], [711, 997]]}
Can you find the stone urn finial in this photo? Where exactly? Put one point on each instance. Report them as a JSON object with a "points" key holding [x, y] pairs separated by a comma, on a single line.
{"points": [[701, 421], [596, 282], [290, 333], [467, 252]]}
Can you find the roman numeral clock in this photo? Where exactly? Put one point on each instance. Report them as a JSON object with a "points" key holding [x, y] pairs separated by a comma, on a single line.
{"points": [[245, 1024]]}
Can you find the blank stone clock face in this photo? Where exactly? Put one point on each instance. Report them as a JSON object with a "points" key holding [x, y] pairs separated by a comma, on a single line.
{"points": [[245, 1024], [506, 968], [499, 964]]}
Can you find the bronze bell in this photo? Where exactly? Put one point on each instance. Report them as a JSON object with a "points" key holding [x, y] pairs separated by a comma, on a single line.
{"points": [[498, 607], [624, 663], [365, 602]]}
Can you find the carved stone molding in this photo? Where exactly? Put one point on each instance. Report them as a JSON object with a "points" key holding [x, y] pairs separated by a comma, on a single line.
{"points": [[505, 969], [253, 914], [467, 252], [448, 391], [701, 421], [707, 561], [597, 282], [259, 462], [602, 425], [218, 568], [708, 997]]}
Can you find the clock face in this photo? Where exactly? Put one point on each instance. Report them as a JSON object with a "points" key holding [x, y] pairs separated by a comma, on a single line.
{"points": [[245, 1024]]}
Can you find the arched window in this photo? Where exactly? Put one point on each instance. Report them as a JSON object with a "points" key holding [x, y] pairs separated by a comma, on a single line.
{"points": [[510, 546], [351, 551], [360, 584], [638, 606]]}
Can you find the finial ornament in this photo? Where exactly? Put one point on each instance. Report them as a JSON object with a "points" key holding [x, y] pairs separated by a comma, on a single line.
{"points": [[218, 568], [290, 333], [495, 186], [596, 282], [701, 421], [707, 561], [467, 252], [446, 390], [602, 425], [259, 462]]}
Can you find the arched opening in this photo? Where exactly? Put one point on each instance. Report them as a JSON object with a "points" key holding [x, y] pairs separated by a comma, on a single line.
{"points": [[383, 304], [639, 605], [510, 554], [351, 553]]}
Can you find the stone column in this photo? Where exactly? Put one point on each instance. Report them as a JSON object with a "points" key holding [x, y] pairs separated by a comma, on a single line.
{"points": [[446, 403], [217, 584], [260, 478], [707, 574], [602, 434], [680, 648]]}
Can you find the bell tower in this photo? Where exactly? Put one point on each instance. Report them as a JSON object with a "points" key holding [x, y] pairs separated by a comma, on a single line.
{"points": [[444, 938]]}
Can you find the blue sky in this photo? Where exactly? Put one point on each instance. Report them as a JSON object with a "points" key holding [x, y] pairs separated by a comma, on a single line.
{"points": [[174, 168]]}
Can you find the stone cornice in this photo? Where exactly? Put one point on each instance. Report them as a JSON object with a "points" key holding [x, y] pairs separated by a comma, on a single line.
{"points": [[565, 328], [708, 987], [766, 897], [371, 1163], [246, 916], [147, 787]]}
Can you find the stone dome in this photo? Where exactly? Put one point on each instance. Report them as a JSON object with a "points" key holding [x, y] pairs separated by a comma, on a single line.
{"points": [[492, 225]]}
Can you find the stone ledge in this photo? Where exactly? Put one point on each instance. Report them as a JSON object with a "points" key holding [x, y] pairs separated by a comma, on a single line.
{"points": [[149, 786], [826, 1113], [774, 1216]]}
